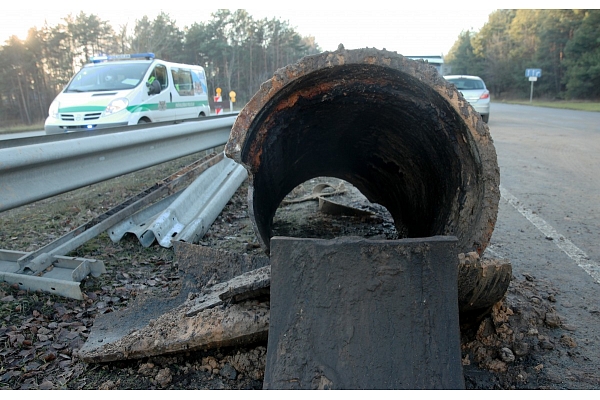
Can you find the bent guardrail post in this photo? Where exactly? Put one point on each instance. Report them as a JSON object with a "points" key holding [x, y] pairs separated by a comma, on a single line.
{"points": [[392, 127]]}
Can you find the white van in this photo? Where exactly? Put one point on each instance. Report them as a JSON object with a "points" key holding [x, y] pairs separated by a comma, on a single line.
{"points": [[128, 89]]}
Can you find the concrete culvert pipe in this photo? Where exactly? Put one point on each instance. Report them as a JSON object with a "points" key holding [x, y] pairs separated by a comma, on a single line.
{"points": [[391, 126]]}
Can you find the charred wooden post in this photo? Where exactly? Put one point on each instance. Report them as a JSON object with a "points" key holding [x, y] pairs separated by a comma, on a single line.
{"points": [[481, 284], [353, 313], [408, 140], [391, 126]]}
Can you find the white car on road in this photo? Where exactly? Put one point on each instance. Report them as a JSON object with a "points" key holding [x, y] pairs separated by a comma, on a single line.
{"points": [[474, 90]]}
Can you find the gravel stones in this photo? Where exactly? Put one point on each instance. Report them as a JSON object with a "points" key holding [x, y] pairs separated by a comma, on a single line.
{"points": [[164, 377], [507, 355], [568, 341], [228, 372], [552, 319], [521, 349]]}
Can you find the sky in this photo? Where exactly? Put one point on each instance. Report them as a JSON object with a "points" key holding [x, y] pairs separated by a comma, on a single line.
{"points": [[413, 30]]}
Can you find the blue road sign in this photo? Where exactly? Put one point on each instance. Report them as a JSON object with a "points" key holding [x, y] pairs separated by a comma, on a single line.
{"points": [[533, 72]]}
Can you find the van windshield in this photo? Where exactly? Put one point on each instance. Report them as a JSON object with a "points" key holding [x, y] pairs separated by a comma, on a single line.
{"points": [[109, 76]]}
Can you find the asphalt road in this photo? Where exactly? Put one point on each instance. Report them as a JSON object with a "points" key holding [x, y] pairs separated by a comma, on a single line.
{"points": [[7, 136], [549, 218]]}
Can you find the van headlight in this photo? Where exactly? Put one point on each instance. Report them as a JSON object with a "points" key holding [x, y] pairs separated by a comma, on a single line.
{"points": [[116, 105], [53, 110]]}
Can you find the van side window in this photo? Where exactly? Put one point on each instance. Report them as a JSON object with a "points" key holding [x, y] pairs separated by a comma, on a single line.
{"points": [[160, 74], [182, 79], [199, 80]]}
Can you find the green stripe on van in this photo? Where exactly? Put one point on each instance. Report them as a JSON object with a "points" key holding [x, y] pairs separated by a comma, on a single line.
{"points": [[154, 106], [75, 109], [137, 108]]}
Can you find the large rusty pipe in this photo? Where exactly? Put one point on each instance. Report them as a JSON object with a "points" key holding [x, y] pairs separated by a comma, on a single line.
{"points": [[391, 126]]}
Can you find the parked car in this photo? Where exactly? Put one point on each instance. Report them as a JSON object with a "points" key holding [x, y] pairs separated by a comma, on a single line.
{"points": [[474, 90]]}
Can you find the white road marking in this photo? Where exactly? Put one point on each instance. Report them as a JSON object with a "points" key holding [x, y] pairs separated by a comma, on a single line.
{"points": [[574, 252]]}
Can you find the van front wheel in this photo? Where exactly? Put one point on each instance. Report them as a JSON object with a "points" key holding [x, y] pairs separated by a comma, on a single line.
{"points": [[143, 121]]}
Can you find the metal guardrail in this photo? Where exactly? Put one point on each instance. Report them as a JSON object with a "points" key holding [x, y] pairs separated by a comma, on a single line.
{"points": [[51, 166], [210, 181], [60, 275], [186, 215], [36, 171]]}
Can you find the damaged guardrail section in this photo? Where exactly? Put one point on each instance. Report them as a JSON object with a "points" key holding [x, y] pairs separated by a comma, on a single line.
{"points": [[391, 126]]}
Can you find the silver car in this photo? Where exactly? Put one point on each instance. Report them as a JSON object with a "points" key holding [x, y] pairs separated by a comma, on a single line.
{"points": [[474, 91]]}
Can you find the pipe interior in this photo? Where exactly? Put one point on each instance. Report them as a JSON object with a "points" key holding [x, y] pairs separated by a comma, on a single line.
{"points": [[390, 135]]}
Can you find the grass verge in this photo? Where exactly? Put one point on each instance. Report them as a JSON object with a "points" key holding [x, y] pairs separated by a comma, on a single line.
{"points": [[21, 128], [569, 105]]}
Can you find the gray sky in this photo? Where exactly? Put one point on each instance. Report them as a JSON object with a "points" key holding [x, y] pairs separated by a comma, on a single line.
{"points": [[411, 30]]}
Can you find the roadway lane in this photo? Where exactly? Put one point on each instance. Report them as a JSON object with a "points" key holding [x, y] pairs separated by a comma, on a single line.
{"points": [[550, 161], [549, 222], [8, 136]]}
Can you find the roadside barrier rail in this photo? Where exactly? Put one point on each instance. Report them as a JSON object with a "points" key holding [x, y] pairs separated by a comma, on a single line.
{"points": [[37, 171]]}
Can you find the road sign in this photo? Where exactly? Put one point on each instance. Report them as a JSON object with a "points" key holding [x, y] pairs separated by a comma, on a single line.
{"points": [[533, 78], [218, 99], [535, 72]]}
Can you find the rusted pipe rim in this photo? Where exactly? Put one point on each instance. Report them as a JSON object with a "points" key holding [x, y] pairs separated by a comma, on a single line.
{"points": [[391, 126]]}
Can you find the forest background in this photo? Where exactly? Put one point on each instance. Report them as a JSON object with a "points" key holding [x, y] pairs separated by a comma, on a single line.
{"points": [[240, 52]]}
